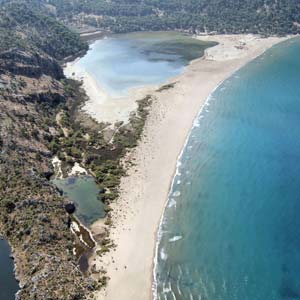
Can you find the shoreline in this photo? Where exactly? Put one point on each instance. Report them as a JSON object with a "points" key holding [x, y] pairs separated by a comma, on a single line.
{"points": [[102, 106], [171, 185], [145, 191], [106, 107]]}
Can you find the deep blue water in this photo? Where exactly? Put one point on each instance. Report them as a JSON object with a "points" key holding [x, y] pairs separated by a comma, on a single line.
{"points": [[232, 226], [8, 284]]}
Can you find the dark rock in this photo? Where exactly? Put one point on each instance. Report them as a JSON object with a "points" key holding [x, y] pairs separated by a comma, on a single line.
{"points": [[60, 191], [69, 222], [45, 219], [77, 297], [102, 190], [48, 174], [70, 207]]}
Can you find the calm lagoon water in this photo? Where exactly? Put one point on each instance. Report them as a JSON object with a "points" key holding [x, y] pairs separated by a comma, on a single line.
{"points": [[126, 61], [8, 284], [83, 191], [231, 228]]}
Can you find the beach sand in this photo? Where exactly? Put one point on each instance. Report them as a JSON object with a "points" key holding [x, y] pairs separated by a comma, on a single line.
{"points": [[144, 192]]}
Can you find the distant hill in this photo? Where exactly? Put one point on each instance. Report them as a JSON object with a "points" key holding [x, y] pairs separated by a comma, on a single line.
{"points": [[266, 17], [29, 27]]}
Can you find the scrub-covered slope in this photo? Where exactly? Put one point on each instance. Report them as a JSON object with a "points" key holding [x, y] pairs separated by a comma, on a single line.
{"points": [[230, 16], [32, 213]]}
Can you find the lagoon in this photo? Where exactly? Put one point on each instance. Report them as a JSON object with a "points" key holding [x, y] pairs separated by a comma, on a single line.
{"points": [[122, 62]]}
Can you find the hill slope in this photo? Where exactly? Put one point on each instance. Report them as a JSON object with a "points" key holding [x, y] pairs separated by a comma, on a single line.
{"points": [[32, 214], [223, 16]]}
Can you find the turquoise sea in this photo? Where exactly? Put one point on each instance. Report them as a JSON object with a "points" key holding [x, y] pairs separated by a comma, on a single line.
{"points": [[231, 229]]}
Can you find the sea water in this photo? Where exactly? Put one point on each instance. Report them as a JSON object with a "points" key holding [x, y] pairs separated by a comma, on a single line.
{"points": [[231, 228], [8, 284], [121, 62]]}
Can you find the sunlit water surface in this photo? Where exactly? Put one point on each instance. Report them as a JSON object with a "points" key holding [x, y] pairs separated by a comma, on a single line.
{"points": [[231, 229]]}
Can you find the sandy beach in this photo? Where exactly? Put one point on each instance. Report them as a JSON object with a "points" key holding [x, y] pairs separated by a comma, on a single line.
{"points": [[137, 213]]}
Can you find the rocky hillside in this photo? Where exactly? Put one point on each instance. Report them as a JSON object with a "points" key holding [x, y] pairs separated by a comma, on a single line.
{"points": [[266, 17], [31, 30], [32, 213]]}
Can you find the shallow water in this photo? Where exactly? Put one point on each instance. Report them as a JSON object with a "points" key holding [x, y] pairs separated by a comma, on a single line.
{"points": [[232, 227], [121, 62], [83, 191], [8, 284]]}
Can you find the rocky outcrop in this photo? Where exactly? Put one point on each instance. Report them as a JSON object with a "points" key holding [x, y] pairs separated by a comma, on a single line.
{"points": [[70, 207], [29, 63]]}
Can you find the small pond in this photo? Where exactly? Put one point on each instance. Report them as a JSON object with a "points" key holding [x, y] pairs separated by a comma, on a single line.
{"points": [[83, 191]]}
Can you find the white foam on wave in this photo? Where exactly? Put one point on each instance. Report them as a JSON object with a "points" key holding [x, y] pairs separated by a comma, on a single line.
{"points": [[171, 291], [175, 238], [172, 203], [163, 254], [176, 194], [178, 287], [180, 271], [166, 288], [178, 181], [196, 123]]}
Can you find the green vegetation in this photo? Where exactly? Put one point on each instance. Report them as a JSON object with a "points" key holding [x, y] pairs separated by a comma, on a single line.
{"points": [[40, 118], [32, 214], [83, 140], [166, 87], [231, 16], [27, 29]]}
